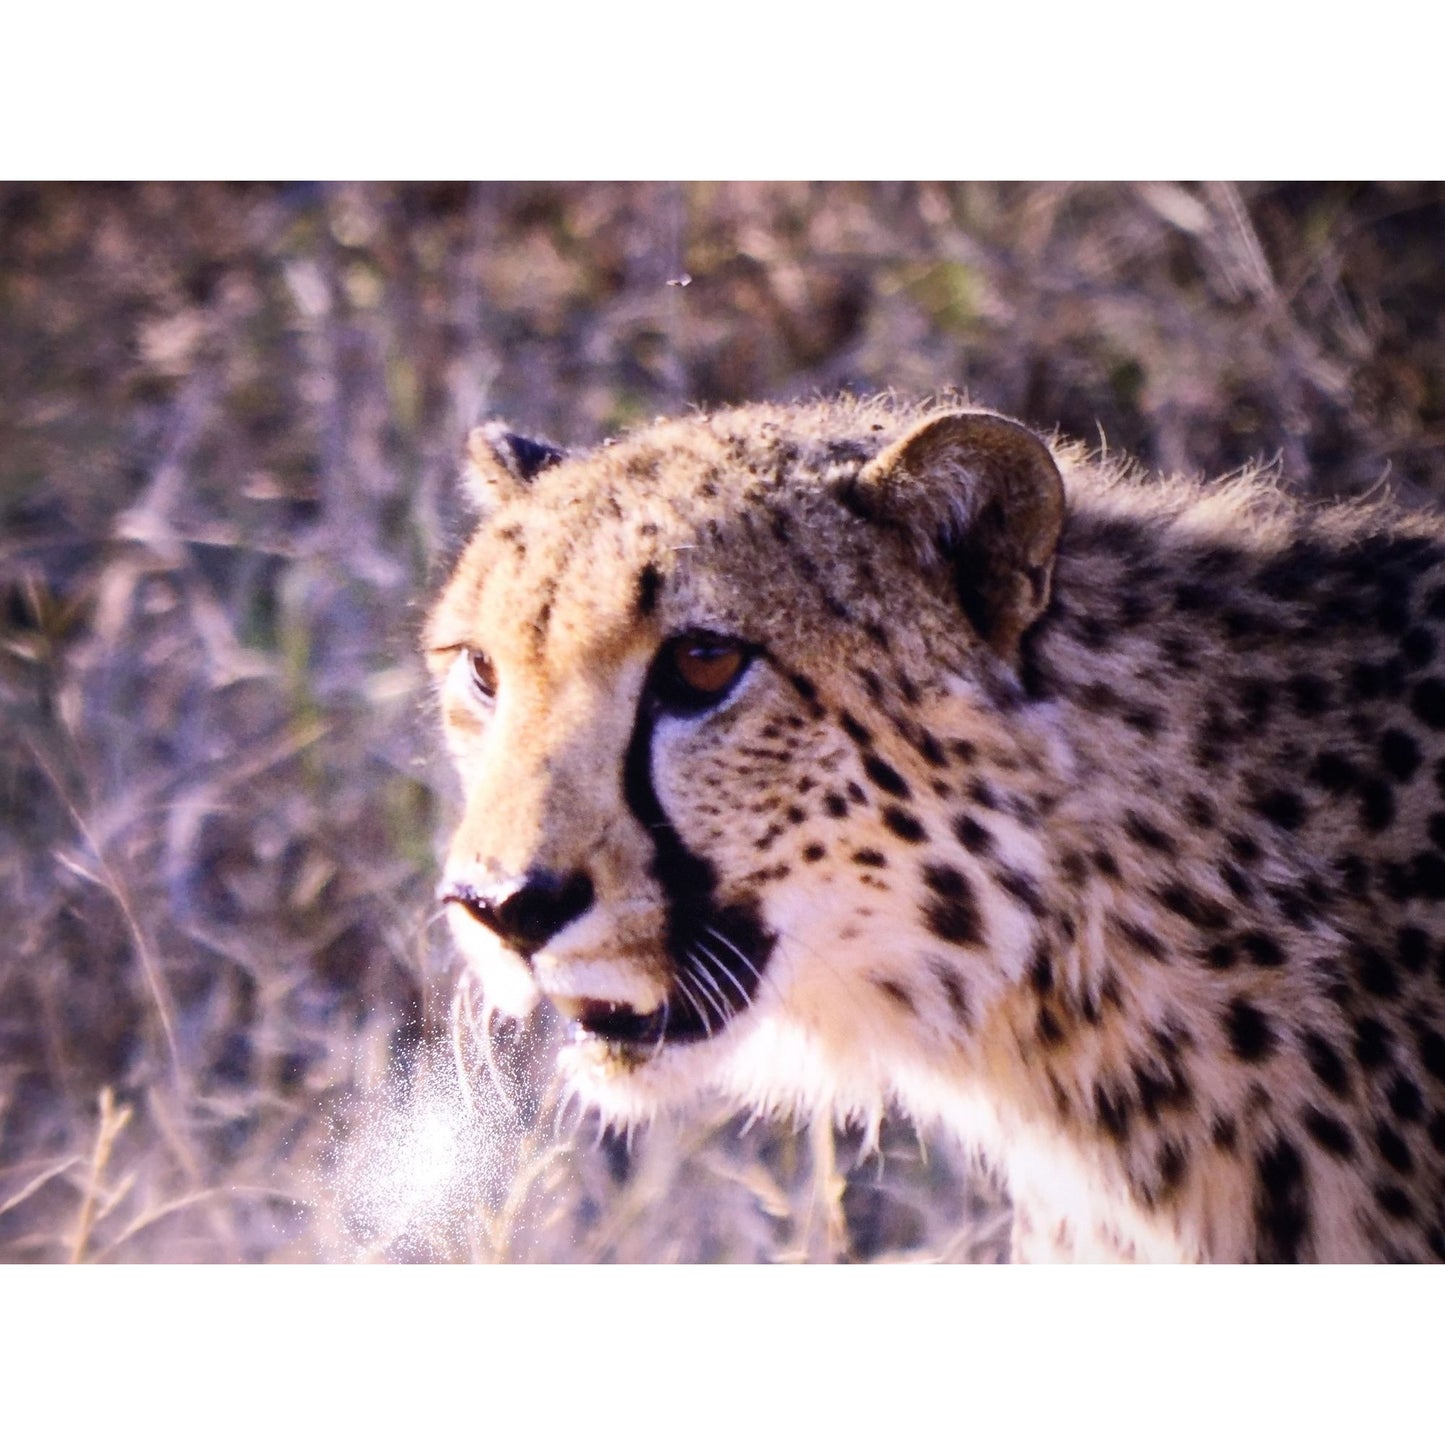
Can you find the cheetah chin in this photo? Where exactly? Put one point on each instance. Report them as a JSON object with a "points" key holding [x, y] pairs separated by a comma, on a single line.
{"points": [[855, 755]]}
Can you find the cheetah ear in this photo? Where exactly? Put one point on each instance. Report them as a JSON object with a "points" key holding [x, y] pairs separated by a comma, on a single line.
{"points": [[499, 463], [983, 495]]}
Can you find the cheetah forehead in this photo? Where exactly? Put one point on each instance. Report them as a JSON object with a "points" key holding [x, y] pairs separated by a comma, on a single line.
{"points": [[707, 522]]}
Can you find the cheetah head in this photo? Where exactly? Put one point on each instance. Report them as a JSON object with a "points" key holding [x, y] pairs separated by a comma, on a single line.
{"points": [[703, 687]]}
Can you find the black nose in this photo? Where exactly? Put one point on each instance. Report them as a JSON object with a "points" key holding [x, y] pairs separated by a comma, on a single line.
{"points": [[525, 912]]}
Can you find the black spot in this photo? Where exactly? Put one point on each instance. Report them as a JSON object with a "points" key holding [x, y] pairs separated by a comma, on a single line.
{"points": [[872, 685], [1191, 906], [1427, 702], [1041, 972], [796, 815], [1376, 973], [1195, 597], [1139, 936], [1225, 1135], [1397, 880], [1437, 1130], [1431, 1048], [1023, 888], [1377, 804], [1098, 697], [808, 692], [1390, 614], [1145, 720], [870, 858], [1281, 1204], [1437, 829], [1200, 811], [1329, 1068], [1144, 832], [1281, 807], [1256, 699], [813, 852], [1393, 1149], [1236, 882], [1047, 1029], [1405, 1100], [1329, 1133], [1113, 1111], [1418, 647], [1334, 772], [982, 794], [1310, 694], [885, 777], [1179, 652], [1262, 949], [1367, 681], [1412, 946], [1251, 1036], [834, 805], [1220, 955], [952, 913], [1399, 754], [1161, 1086], [931, 749], [1104, 861], [1428, 875], [855, 729], [953, 990], [898, 994], [1372, 1042], [1394, 1201], [1172, 1163], [1354, 874], [649, 583], [903, 824], [973, 835], [1239, 624]]}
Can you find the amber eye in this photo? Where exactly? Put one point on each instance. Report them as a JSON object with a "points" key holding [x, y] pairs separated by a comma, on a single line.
{"points": [[481, 673], [697, 670]]}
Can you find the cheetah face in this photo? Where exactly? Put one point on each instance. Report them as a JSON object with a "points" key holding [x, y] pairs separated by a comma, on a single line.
{"points": [[674, 823]]}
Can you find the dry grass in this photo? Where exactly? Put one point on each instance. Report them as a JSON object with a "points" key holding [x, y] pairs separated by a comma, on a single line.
{"points": [[226, 465]]}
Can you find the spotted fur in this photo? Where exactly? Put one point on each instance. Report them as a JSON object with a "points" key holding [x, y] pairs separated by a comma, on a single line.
{"points": [[1099, 817]]}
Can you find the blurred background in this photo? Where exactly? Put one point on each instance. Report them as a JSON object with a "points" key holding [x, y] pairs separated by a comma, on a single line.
{"points": [[230, 417]]}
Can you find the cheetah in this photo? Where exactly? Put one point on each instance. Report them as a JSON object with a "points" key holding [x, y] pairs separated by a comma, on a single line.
{"points": [[854, 755]]}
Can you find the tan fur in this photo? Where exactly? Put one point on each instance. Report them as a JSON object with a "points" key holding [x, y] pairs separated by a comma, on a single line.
{"points": [[1129, 865]]}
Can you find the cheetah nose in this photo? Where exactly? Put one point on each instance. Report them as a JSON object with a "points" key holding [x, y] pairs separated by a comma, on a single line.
{"points": [[525, 912]]}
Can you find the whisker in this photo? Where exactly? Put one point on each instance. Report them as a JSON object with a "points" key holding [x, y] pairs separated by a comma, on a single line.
{"points": [[704, 979], [737, 953], [658, 1046], [697, 1008], [726, 972]]}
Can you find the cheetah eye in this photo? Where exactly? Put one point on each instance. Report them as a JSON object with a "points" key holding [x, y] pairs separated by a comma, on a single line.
{"points": [[481, 673], [697, 670]]}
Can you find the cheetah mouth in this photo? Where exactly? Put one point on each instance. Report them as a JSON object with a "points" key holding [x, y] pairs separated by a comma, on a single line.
{"points": [[627, 1032]]}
